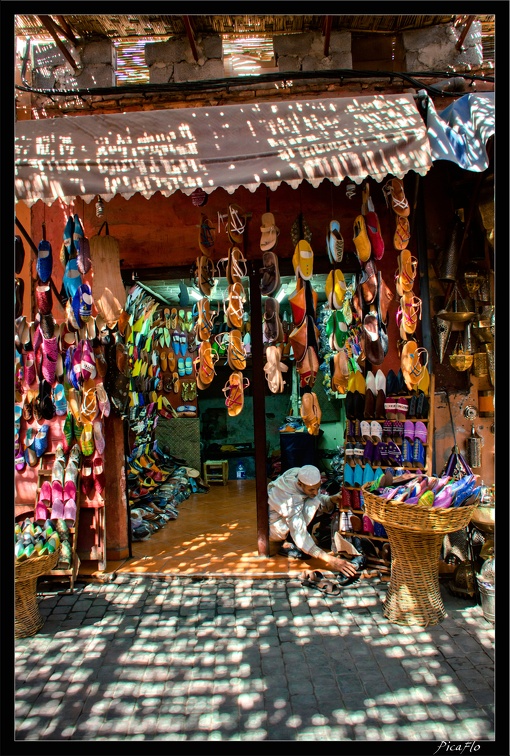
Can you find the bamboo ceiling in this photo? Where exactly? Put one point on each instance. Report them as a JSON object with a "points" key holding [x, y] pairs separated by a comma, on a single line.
{"points": [[124, 26]]}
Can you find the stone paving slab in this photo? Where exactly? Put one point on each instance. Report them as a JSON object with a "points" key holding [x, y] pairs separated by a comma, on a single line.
{"points": [[234, 659]]}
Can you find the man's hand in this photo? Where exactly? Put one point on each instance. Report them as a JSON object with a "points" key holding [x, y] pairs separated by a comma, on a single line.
{"points": [[336, 499], [342, 565]]}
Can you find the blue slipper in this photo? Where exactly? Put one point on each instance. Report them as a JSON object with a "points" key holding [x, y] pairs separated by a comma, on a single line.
{"points": [[68, 238], [41, 440], [176, 342], [82, 304], [44, 265], [59, 399], [368, 473], [72, 278], [418, 453], [348, 475], [358, 475], [407, 451]]}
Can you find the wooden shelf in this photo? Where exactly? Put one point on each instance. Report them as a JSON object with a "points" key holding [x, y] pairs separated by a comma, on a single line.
{"points": [[428, 447]]}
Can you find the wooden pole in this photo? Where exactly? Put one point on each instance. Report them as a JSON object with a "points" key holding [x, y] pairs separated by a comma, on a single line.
{"points": [[328, 22], [191, 36], [52, 28], [259, 408]]}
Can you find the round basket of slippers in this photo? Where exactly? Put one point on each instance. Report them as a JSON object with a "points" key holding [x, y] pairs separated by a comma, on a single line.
{"points": [[416, 512], [421, 503]]}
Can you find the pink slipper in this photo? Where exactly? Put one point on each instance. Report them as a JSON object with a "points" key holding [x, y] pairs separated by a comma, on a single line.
{"points": [[75, 374], [41, 513], [57, 510], [98, 437], [99, 476], [88, 361], [45, 495], [420, 431], [69, 491], [103, 400], [70, 510]]}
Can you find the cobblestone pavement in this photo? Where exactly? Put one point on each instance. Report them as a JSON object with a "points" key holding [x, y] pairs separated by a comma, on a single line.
{"points": [[248, 659]]}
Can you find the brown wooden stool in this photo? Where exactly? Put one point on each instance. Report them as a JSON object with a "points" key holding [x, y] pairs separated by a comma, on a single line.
{"points": [[216, 471]]}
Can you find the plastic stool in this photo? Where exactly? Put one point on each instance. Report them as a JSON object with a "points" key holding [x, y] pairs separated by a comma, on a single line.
{"points": [[216, 471]]}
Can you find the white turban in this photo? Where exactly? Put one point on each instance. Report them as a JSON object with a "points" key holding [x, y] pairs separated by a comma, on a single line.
{"points": [[309, 475]]}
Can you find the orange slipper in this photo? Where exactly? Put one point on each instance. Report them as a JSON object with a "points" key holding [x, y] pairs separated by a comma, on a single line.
{"points": [[311, 412], [402, 233], [298, 339], [234, 393], [340, 377], [308, 368], [361, 240]]}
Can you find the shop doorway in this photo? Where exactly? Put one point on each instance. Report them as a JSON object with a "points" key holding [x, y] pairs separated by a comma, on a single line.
{"points": [[217, 531]]}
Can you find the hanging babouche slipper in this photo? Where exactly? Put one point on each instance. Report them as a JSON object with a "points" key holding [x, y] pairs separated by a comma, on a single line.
{"points": [[335, 243], [311, 412]]}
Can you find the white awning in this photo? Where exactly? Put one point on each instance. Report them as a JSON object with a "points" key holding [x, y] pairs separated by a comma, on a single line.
{"points": [[222, 146]]}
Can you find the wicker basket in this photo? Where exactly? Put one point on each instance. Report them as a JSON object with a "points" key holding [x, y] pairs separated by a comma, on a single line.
{"points": [[415, 536], [28, 620], [398, 514]]}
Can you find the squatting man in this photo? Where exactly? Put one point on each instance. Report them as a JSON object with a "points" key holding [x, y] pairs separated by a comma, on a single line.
{"points": [[294, 500]]}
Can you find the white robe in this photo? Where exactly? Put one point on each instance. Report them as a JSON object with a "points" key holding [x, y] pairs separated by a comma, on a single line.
{"points": [[291, 511]]}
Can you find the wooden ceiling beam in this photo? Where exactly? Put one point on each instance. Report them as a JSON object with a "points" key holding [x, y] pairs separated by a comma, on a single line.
{"points": [[66, 30], [328, 23], [53, 29], [464, 32], [191, 37]]}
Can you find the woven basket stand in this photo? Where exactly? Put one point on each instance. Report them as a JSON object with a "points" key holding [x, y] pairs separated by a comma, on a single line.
{"points": [[415, 536], [28, 620]]}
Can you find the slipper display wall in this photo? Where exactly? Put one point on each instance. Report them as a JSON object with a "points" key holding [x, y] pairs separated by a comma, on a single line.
{"points": [[359, 469]]}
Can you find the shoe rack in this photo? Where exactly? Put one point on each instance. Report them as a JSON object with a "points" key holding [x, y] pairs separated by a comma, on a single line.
{"points": [[60, 575], [427, 468]]}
